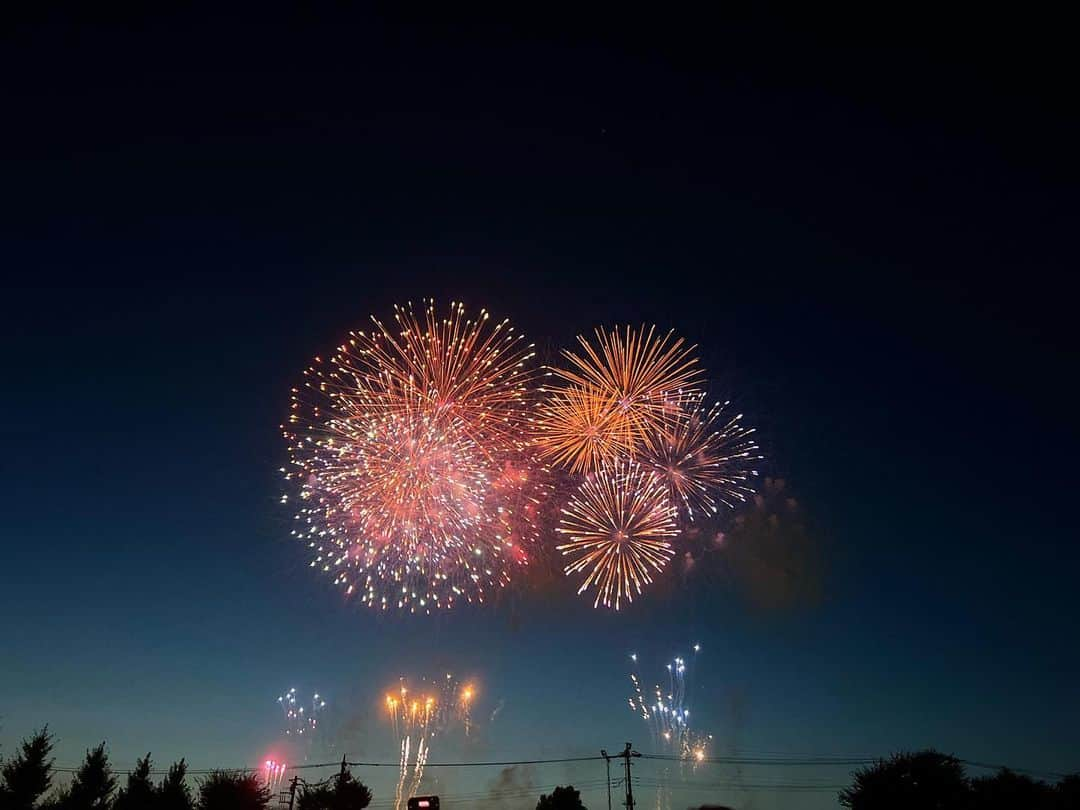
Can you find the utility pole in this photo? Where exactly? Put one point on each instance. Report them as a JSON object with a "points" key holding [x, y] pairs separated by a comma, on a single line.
{"points": [[625, 756], [627, 753], [607, 763], [292, 790]]}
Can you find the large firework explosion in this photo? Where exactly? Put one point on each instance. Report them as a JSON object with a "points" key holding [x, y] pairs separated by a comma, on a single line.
{"points": [[616, 396], [578, 428], [635, 399], [417, 718], [417, 487], [705, 457], [619, 524], [419, 456]]}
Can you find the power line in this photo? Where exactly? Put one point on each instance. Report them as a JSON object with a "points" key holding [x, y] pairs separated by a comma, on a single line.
{"points": [[735, 760], [779, 760], [810, 761], [337, 764]]}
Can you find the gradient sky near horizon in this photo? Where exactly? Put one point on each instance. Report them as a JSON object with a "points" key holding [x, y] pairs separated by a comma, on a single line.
{"points": [[867, 236]]}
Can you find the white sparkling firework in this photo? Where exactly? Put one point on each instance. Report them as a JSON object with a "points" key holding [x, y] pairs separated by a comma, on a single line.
{"points": [[665, 710], [301, 718]]}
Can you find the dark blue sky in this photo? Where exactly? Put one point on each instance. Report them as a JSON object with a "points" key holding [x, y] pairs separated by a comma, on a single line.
{"points": [[867, 235]]}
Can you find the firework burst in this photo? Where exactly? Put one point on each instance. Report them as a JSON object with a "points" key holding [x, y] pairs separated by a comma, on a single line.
{"points": [[620, 393], [273, 773], [578, 428], [705, 458], [417, 487], [619, 524], [666, 713], [300, 719], [417, 719]]}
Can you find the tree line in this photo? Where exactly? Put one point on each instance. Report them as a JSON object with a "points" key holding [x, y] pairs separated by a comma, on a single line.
{"points": [[27, 782], [931, 780], [924, 780]]}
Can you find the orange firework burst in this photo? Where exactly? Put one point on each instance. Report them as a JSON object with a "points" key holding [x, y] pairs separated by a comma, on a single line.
{"points": [[618, 523], [704, 460], [620, 393], [410, 455], [578, 428]]}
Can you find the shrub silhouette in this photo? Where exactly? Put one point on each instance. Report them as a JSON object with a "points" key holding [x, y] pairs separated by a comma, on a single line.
{"points": [[926, 780], [343, 793], [226, 790], [562, 798]]}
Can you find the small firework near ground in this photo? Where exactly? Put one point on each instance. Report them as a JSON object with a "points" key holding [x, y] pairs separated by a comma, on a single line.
{"points": [[665, 710], [420, 715]]}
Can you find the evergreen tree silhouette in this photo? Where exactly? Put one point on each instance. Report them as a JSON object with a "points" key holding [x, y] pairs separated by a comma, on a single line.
{"points": [[173, 793], [93, 785], [138, 793], [27, 776]]}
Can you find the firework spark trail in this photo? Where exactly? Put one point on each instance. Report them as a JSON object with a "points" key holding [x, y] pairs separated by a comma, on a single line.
{"points": [[619, 524], [619, 393], [666, 713], [705, 457], [418, 720], [668, 719], [411, 452], [273, 773], [298, 718]]}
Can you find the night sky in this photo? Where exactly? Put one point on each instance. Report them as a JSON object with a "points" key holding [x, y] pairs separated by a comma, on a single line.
{"points": [[866, 227]]}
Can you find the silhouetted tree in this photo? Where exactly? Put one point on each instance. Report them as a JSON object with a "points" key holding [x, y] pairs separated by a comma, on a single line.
{"points": [[138, 793], [343, 793], [93, 785], [28, 775], [173, 793], [926, 780], [225, 790], [1006, 790], [1067, 793], [562, 798]]}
